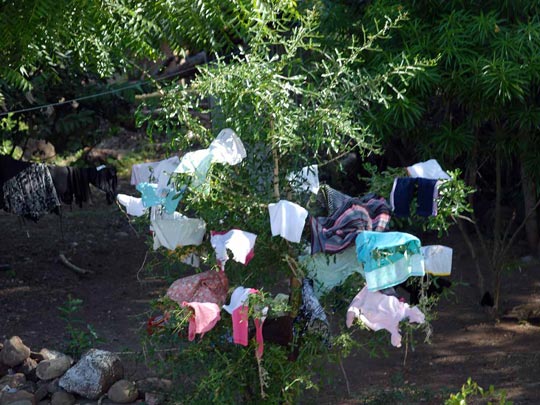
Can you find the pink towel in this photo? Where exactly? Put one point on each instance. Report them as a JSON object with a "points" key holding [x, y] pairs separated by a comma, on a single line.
{"points": [[204, 318], [379, 311]]}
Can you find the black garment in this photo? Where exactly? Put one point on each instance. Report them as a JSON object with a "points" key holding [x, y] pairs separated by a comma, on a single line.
{"points": [[31, 193], [106, 180], [73, 183], [403, 193], [311, 317], [9, 167]]}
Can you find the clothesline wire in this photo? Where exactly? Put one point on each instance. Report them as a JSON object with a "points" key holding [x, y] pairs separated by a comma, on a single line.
{"points": [[104, 93]]}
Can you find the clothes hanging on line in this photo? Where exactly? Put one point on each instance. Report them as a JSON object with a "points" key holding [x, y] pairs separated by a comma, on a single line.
{"points": [[9, 167], [31, 193], [403, 191], [389, 258], [379, 311], [287, 219], [430, 169], [73, 183], [338, 231]]}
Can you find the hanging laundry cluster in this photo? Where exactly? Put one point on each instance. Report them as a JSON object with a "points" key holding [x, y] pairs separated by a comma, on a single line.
{"points": [[352, 238], [32, 190]]}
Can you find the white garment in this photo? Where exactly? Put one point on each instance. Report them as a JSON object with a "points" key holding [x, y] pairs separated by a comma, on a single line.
{"points": [[173, 230], [437, 259], [240, 243], [164, 169], [430, 169], [238, 298], [227, 148], [197, 164], [146, 172], [134, 205], [287, 219], [306, 179]]}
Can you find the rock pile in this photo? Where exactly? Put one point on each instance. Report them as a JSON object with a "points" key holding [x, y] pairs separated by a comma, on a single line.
{"points": [[53, 378]]}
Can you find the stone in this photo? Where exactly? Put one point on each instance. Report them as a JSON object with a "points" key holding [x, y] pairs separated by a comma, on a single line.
{"points": [[27, 367], [47, 354], [14, 352], [154, 384], [93, 374], [17, 398], [41, 392], [53, 386], [12, 380], [37, 356], [4, 370], [38, 148], [151, 398], [62, 398], [123, 392], [56, 367]]}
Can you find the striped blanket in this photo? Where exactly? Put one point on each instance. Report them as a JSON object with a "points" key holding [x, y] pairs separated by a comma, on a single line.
{"points": [[338, 231]]}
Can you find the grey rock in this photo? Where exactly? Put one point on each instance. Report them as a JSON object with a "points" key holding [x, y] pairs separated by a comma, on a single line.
{"points": [[123, 392], [41, 392], [17, 398], [12, 380], [154, 384], [14, 352], [62, 398], [4, 370], [93, 374], [56, 367], [53, 386], [151, 398]]}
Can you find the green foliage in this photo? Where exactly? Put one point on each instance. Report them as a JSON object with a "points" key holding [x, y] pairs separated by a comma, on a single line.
{"points": [[80, 338], [472, 391]]}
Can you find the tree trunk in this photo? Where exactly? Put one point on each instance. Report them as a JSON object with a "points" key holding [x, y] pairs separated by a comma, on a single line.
{"points": [[528, 187]]}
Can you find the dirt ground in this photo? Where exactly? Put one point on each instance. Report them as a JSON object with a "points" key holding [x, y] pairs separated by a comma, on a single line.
{"points": [[467, 342]]}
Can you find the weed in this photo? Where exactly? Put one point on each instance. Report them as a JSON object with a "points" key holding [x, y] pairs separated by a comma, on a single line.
{"points": [[80, 338]]}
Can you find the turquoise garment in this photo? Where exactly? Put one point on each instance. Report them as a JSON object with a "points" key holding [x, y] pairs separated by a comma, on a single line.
{"points": [[329, 271], [152, 196], [389, 258]]}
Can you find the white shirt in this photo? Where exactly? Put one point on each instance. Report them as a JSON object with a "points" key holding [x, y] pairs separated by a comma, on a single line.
{"points": [[287, 219]]}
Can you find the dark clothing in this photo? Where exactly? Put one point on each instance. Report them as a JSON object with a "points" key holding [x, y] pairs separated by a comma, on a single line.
{"points": [[9, 167], [31, 193], [403, 193], [73, 183]]}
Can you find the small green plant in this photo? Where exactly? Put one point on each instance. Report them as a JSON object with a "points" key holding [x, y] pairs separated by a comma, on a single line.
{"points": [[80, 338], [471, 390]]}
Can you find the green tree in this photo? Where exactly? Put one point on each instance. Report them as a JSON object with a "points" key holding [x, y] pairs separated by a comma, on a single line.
{"points": [[478, 105]]}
